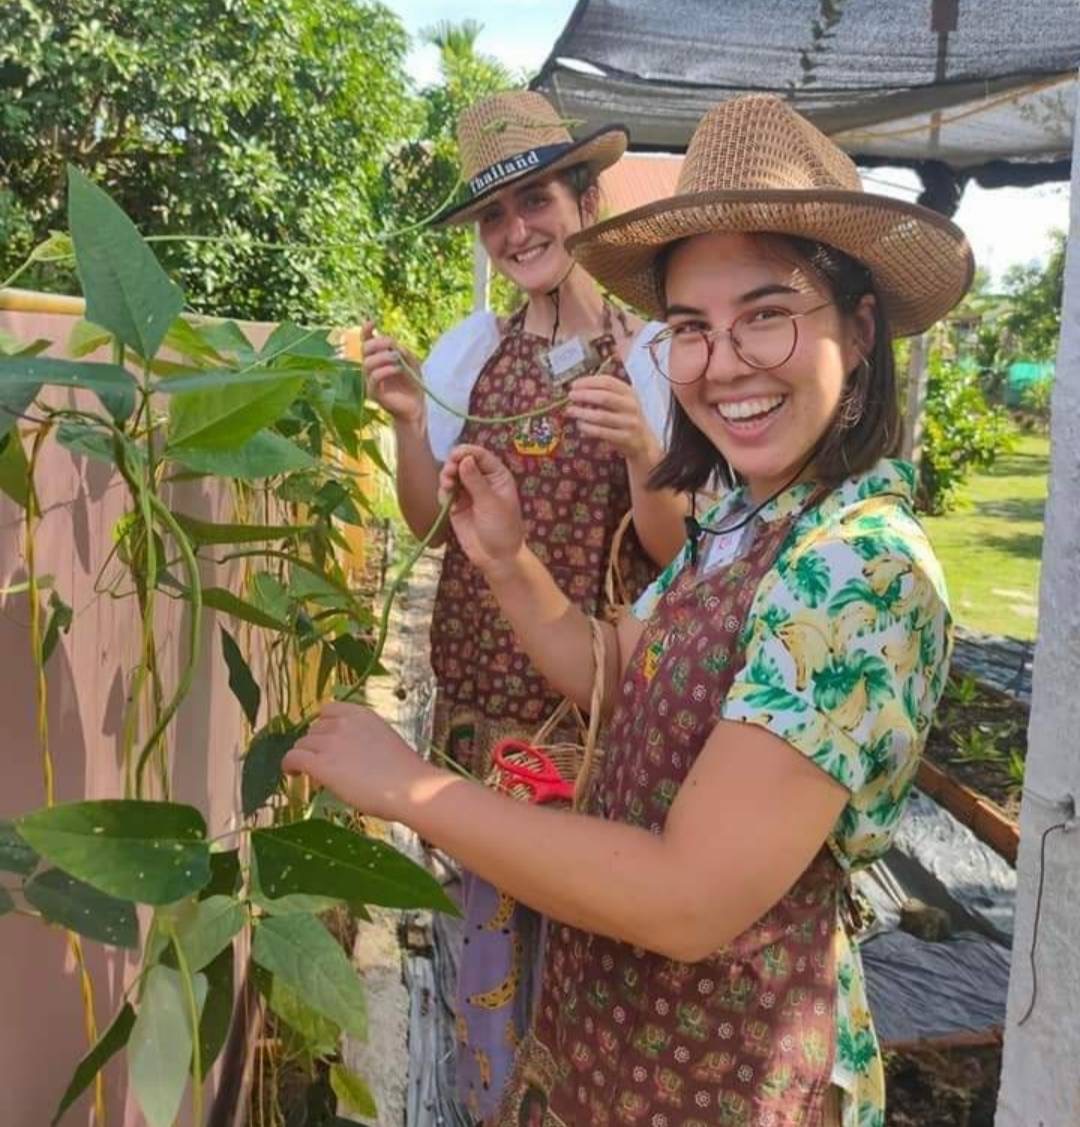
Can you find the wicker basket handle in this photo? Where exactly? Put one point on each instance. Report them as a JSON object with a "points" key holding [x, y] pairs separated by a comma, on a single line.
{"points": [[615, 592], [596, 711], [541, 737]]}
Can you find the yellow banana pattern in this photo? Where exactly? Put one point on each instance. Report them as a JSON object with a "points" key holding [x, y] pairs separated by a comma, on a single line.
{"points": [[502, 994], [847, 643], [504, 911]]}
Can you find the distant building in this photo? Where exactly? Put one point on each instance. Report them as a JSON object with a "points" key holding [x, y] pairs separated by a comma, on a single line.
{"points": [[636, 180]]}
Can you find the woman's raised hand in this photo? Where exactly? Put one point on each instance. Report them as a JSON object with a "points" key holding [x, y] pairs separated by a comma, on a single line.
{"points": [[607, 408], [388, 382], [486, 512]]}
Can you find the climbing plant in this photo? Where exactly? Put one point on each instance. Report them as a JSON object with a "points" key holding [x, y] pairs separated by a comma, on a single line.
{"points": [[267, 423]]}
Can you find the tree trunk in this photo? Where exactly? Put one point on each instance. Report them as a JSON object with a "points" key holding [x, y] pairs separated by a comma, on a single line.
{"points": [[1040, 1082]]}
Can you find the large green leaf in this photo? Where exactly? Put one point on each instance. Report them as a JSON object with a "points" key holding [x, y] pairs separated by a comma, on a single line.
{"points": [[242, 683], [224, 417], [206, 927], [192, 341], [313, 964], [86, 337], [251, 380], [321, 858], [71, 903], [357, 655], [14, 400], [227, 336], [82, 437], [352, 1093], [218, 1008], [14, 469], [287, 905], [149, 852], [206, 532], [126, 290], [113, 385], [319, 1034], [306, 584], [15, 855], [265, 454], [269, 594], [109, 1044], [292, 340], [159, 1051], [262, 767], [218, 598]]}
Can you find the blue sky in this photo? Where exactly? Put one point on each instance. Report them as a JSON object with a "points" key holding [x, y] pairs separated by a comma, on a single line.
{"points": [[1005, 225]]}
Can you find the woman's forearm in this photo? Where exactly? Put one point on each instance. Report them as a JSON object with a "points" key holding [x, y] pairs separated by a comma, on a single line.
{"points": [[417, 479], [599, 876]]}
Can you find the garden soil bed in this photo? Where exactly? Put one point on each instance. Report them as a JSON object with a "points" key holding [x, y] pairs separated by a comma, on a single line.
{"points": [[979, 740], [977, 732], [942, 1088]]}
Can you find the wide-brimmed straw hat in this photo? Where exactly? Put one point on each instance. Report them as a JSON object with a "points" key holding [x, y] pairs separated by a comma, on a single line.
{"points": [[515, 135], [754, 164]]}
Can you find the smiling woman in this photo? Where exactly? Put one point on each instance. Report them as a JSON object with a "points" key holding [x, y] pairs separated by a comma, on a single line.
{"points": [[582, 458], [806, 373], [771, 694]]}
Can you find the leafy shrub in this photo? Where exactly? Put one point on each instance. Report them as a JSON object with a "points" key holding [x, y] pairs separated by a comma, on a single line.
{"points": [[961, 432], [1035, 404]]}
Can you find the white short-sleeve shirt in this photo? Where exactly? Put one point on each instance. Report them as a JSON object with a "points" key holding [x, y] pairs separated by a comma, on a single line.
{"points": [[459, 355]]}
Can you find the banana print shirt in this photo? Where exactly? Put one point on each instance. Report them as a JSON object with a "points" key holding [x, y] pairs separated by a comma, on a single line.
{"points": [[846, 651]]}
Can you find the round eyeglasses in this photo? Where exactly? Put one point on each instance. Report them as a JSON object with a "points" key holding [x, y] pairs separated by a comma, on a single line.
{"points": [[761, 338]]}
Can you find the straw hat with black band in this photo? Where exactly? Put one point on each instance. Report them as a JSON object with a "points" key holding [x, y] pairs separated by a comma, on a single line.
{"points": [[516, 135], [754, 164]]}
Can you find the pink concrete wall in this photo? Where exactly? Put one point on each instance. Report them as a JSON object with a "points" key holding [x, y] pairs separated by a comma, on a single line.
{"points": [[41, 1029]]}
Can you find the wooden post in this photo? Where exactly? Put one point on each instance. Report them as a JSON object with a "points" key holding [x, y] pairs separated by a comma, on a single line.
{"points": [[916, 397], [481, 276], [1042, 1031]]}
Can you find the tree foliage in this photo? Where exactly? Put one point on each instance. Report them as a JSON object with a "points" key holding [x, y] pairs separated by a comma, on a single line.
{"points": [[262, 120], [1035, 292], [428, 284], [279, 414], [961, 432]]}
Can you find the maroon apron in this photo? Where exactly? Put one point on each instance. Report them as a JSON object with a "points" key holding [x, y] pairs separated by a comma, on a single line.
{"points": [[626, 1036], [574, 491]]}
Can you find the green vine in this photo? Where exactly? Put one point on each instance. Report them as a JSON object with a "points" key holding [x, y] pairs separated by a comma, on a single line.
{"points": [[187, 674], [265, 419], [266, 424]]}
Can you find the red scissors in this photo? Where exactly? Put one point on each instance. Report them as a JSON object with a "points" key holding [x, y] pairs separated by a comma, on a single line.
{"points": [[538, 772]]}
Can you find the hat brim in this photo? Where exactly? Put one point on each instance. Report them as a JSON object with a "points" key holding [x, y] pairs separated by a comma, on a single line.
{"points": [[921, 262], [599, 150]]}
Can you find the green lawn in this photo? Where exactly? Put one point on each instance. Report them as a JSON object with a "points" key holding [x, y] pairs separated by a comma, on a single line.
{"points": [[991, 544]]}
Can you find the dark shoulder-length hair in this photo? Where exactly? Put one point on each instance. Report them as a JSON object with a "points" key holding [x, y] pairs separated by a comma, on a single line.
{"points": [[867, 425]]}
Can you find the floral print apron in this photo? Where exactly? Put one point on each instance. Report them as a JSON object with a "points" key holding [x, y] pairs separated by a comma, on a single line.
{"points": [[574, 491], [626, 1036]]}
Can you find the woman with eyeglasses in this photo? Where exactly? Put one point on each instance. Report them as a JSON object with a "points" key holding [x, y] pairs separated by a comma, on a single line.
{"points": [[772, 690]]}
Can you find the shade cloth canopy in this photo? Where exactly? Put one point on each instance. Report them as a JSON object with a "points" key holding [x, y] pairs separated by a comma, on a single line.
{"points": [[954, 88]]}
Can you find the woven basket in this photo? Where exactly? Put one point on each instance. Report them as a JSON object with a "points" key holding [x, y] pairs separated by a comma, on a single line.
{"points": [[575, 762]]}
